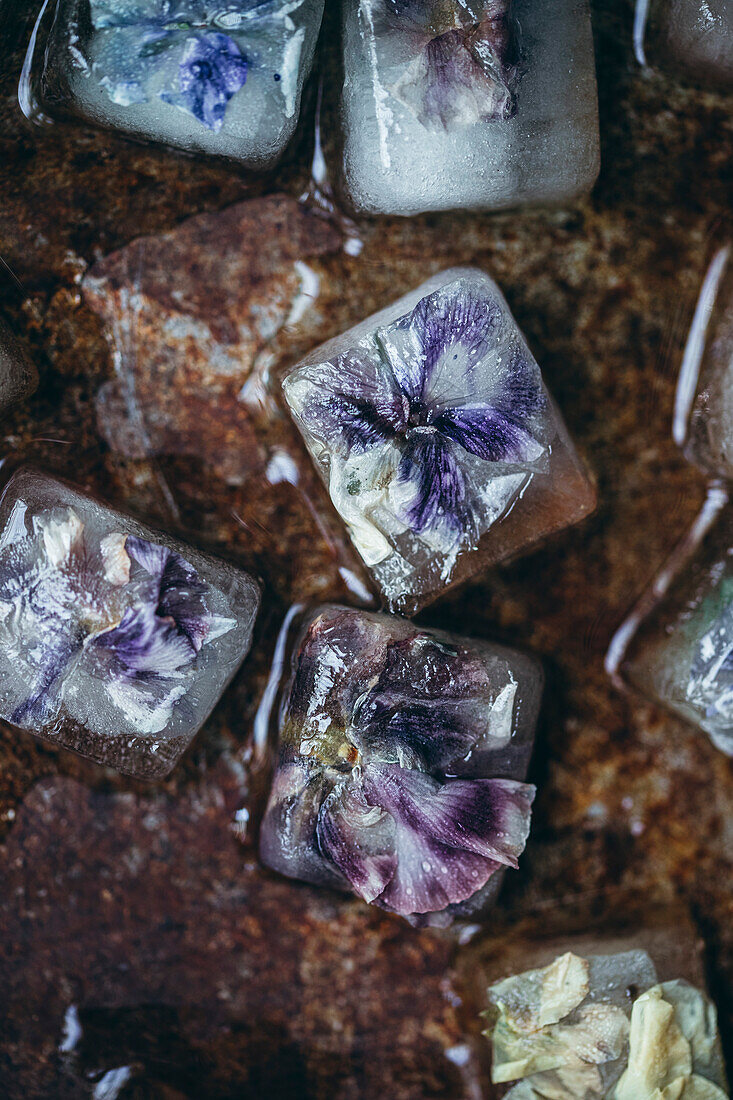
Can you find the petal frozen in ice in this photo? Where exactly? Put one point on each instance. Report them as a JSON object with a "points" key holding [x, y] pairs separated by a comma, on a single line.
{"points": [[146, 645], [177, 592], [440, 496], [489, 434], [212, 69], [358, 839], [456, 81], [449, 838], [415, 736], [434, 350], [350, 404]]}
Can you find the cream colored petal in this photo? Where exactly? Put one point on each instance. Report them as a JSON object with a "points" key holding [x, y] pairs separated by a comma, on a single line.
{"points": [[658, 1051], [564, 986], [60, 537], [116, 559]]}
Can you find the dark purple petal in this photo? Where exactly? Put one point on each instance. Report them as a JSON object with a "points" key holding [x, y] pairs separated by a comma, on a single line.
{"points": [[453, 323], [177, 592], [360, 424], [61, 645], [352, 401], [487, 433], [430, 700], [358, 839], [212, 70], [449, 838], [441, 493], [467, 66], [146, 645], [416, 736]]}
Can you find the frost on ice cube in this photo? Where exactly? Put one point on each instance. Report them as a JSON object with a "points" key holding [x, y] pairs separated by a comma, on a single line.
{"points": [[603, 1028], [115, 641], [480, 104], [400, 764], [690, 38], [676, 647], [704, 407], [439, 444], [223, 79], [17, 376]]}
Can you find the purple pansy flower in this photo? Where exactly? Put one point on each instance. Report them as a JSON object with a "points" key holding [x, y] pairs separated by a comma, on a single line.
{"points": [[128, 612], [420, 419], [466, 60], [365, 794], [212, 69]]}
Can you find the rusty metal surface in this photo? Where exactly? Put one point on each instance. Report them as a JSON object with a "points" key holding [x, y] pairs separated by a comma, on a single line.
{"points": [[140, 906]]}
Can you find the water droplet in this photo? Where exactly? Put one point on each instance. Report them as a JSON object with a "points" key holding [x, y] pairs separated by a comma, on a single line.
{"points": [[426, 866]]}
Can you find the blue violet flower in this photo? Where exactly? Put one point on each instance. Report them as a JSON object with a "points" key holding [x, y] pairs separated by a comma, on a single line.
{"points": [[429, 428], [178, 51]]}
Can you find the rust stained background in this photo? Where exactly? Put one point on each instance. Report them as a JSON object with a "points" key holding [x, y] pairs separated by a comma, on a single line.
{"points": [[143, 908]]}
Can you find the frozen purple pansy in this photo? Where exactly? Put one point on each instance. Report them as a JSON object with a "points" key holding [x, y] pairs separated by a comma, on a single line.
{"points": [[440, 394], [429, 423], [390, 740], [466, 60], [212, 69], [108, 632]]}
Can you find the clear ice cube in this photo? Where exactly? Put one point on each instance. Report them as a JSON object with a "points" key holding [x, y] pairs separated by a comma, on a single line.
{"points": [[703, 422], [400, 765], [676, 647], [115, 641], [440, 447], [18, 376], [481, 104], [209, 78], [689, 38]]}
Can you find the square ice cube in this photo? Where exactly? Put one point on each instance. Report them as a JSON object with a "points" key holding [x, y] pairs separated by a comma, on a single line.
{"points": [[441, 449], [602, 1026], [115, 641], [703, 422], [400, 764], [676, 647], [18, 376], [692, 38], [481, 104], [222, 79]]}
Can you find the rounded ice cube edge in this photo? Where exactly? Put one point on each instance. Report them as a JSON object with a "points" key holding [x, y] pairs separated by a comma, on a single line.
{"points": [[568, 496], [143, 756], [393, 165], [288, 844], [57, 87]]}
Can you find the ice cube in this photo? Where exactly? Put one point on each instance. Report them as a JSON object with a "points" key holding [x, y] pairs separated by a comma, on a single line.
{"points": [[690, 38], [481, 104], [704, 407], [602, 1026], [115, 641], [219, 79], [439, 444], [676, 647], [18, 376], [400, 764]]}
